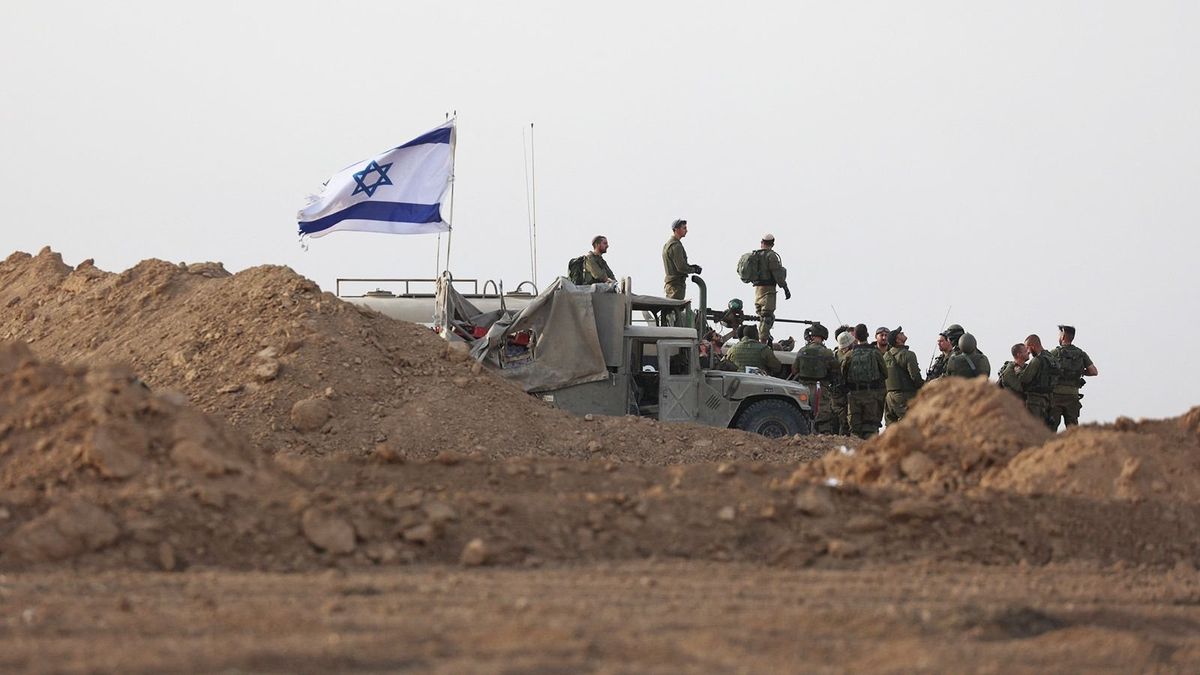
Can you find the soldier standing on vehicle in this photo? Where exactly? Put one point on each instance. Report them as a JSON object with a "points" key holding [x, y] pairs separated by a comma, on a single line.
{"points": [[817, 367], [881, 339], [865, 374], [750, 352], [969, 362], [1074, 365], [675, 262], [596, 268], [772, 275], [903, 376]]}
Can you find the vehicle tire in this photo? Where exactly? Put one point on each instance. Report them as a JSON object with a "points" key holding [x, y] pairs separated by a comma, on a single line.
{"points": [[773, 418]]}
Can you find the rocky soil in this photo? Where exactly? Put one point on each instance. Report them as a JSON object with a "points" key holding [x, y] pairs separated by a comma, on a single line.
{"points": [[174, 428]]}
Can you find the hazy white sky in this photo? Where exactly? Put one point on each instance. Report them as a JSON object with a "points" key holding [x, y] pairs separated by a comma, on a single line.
{"points": [[1026, 163]]}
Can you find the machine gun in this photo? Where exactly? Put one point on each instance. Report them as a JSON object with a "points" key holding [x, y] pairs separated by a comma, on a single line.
{"points": [[737, 315]]}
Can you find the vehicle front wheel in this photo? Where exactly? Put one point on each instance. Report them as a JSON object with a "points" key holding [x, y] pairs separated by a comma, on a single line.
{"points": [[773, 418]]}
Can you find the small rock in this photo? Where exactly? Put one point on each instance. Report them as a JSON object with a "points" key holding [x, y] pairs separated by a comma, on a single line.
{"points": [[476, 368], [67, 530], [474, 554], [726, 469], [727, 514], [387, 454], [595, 446], [864, 523], [230, 389], [421, 534], [589, 417], [327, 531], [815, 501], [267, 353], [311, 414], [461, 381], [266, 371], [449, 458], [116, 452], [4, 514], [840, 548], [917, 466], [440, 512]]}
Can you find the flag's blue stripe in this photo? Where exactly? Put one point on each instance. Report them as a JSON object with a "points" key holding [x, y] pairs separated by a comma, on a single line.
{"points": [[435, 136], [396, 212]]}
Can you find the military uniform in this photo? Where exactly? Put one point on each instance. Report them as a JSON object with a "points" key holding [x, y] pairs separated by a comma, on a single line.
{"points": [[765, 293], [816, 366], [865, 375], [596, 269], [754, 353], [1065, 397], [903, 381], [676, 267], [938, 367], [837, 397], [1037, 386]]}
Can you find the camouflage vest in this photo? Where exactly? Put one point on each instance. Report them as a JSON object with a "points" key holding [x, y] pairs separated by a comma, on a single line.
{"points": [[898, 378], [812, 362], [1071, 362], [862, 369], [1047, 374], [748, 353]]}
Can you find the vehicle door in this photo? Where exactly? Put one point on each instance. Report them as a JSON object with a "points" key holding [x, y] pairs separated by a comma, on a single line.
{"points": [[678, 380]]}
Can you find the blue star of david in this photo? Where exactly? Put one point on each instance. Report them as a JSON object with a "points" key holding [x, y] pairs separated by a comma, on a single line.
{"points": [[360, 178]]}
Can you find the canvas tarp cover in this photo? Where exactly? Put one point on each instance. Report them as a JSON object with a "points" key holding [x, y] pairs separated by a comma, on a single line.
{"points": [[565, 349]]}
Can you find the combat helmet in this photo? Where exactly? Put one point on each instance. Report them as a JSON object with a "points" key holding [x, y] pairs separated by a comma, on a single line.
{"points": [[966, 342], [953, 332], [735, 304], [818, 330]]}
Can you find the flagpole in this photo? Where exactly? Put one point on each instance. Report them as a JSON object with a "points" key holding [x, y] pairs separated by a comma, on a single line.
{"points": [[453, 153], [533, 193]]}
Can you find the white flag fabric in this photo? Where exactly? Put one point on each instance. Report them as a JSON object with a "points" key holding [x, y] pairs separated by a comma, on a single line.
{"points": [[398, 192]]}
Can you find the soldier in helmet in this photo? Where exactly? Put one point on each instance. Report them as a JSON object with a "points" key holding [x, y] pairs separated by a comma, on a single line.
{"points": [[731, 319], [817, 367], [1074, 364], [947, 344], [903, 376], [969, 362], [750, 352]]}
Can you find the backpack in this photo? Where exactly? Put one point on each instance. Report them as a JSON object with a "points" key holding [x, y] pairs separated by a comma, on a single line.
{"points": [[1070, 365], [752, 267], [811, 363], [862, 368], [1048, 374], [576, 271]]}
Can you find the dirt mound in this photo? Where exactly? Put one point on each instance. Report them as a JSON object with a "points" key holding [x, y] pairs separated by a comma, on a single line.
{"points": [[89, 457], [1125, 460], [955, 430], [302, 372]]}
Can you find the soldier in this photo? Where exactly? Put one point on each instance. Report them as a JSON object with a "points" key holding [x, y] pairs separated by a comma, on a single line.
{"points": [[1074, 365], [1038, 374], [750, 352], [841, 421], [865, 374], [765, 288], [968, 362], [1009, 375], [817, 367], [946, 343], [596, 269], [903, 376], [675, 262], [881, 339]]}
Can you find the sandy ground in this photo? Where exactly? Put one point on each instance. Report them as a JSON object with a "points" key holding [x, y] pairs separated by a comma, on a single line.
{"points": [[663, 617], [210, 472]]}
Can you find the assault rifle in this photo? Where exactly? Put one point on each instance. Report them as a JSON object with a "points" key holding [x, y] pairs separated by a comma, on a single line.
{"points": [[719, 316]]}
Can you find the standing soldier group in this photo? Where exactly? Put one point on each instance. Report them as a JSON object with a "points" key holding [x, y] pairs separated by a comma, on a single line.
{"points": [[863, 384]]}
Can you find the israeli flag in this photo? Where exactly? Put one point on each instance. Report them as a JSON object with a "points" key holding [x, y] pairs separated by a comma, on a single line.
{"points": [[400, 191]]}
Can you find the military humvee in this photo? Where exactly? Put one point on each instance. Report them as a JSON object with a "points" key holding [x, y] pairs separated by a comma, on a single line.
{"points": [[580, 349]]}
